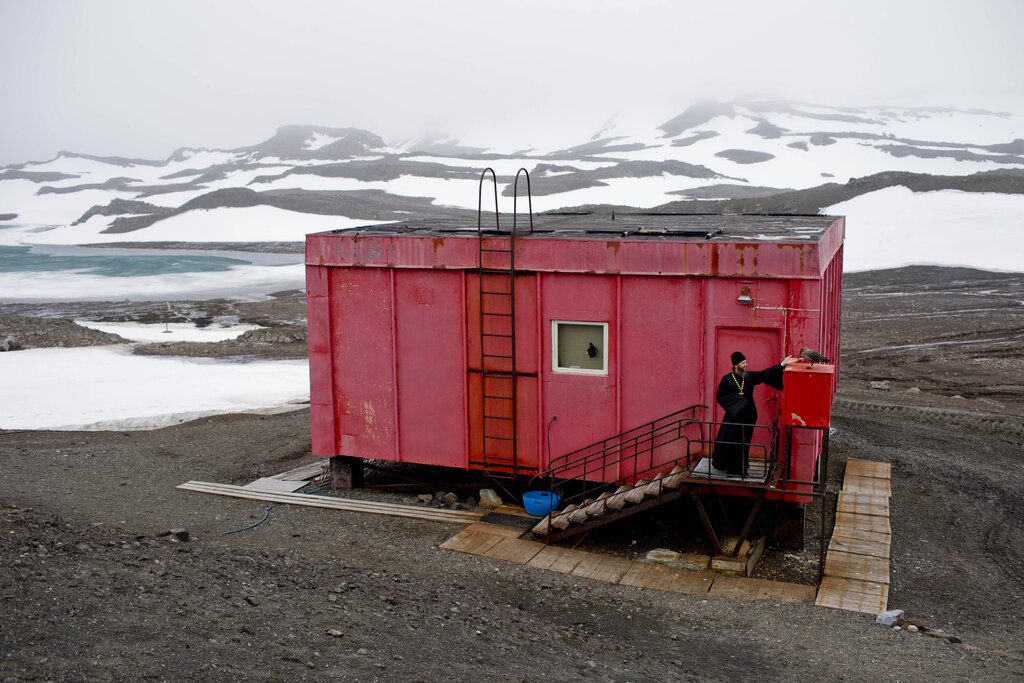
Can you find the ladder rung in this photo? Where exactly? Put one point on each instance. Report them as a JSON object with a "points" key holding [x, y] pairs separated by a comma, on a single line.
{"points": [[491, 334], [496, 417], [503, 398], [500, 251], [503, 315], [495, 355], [499, 438], [483, 291]]}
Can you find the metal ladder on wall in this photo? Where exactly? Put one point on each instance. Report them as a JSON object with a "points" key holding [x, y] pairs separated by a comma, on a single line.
{"points": [[499, 379]]}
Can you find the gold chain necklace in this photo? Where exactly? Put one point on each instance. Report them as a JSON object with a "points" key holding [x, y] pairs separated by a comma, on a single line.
{"points": [[739, 385]]}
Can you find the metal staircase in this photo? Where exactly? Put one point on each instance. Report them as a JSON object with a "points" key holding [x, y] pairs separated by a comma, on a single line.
{"points": [[650, 465], [497, 325]]}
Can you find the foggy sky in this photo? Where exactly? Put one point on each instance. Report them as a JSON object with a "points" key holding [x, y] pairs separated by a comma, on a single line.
{"points": [[130, 78]]}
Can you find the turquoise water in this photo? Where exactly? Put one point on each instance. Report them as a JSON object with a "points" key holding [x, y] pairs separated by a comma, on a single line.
{"points": [[19, 259]]}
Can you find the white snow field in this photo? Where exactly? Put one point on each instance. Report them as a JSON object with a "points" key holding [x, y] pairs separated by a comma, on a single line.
{"points": [[242, 282], [169, 332], [896, 227], [107, 387], [247, 224]]}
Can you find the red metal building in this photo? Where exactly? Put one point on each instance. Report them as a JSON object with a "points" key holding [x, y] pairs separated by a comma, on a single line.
{"points": [[433, 343]]}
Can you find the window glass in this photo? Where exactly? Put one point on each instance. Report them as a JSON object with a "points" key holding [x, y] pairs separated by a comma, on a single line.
{"points": [[580, 347]]}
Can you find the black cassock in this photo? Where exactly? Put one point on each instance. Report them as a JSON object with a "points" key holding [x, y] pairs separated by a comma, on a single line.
{"points": [[732, 442]]}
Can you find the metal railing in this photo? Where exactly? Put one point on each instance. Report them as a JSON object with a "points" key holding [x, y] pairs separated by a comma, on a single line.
{"points": [[642, 450]]}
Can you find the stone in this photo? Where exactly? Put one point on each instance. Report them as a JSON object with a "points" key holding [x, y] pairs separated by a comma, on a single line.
{"points": [[662, 555], [425, 497], [489, 498], [334, 633], [252, 601], [448, 498], [694, 562], [177, 535], [879, 385], [331, 597], [889, 617], [10, 344], [911, 628], [912, 390]]}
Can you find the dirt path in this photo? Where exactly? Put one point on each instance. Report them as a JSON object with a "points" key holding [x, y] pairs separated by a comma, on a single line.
{"points": [[82, 563]]}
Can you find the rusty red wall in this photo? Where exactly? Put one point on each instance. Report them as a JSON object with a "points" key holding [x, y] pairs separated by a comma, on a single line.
{"points": [[395, 355]]}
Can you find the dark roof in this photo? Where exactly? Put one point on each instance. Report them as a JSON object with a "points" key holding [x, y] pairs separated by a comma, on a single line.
{"points": [[760, 227]]}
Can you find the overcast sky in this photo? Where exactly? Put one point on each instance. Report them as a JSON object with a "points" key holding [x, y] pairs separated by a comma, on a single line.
{"points": [[130, 78]]}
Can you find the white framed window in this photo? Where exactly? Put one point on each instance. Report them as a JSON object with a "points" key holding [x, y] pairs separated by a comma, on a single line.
{"points": [[579, 347]]}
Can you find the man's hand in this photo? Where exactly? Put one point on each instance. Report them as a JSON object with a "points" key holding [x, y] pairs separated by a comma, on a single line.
{"points": [[789, 359]]}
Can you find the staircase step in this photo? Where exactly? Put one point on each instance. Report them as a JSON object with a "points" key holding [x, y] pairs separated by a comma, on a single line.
{"points": [[617, 500], [561, 520], [597, 508], [636, 494], [675, 478], [543, 527], [654, 488], [579, 515]]}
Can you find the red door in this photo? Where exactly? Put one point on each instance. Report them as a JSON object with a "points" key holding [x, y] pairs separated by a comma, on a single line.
{"points": [[762, 348]]}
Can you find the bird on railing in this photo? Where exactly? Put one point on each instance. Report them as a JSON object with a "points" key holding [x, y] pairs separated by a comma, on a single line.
{"points": [[812, 356]]}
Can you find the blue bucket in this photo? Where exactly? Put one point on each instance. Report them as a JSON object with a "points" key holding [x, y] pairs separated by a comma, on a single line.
{"points": [[540, 503]]}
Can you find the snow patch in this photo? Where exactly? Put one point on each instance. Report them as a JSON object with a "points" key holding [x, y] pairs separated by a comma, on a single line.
{"points": [[108, 385], [169, 332]]}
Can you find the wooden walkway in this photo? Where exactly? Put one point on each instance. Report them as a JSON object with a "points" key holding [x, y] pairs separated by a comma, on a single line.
{"points": [[502, 543], [857, 565]]}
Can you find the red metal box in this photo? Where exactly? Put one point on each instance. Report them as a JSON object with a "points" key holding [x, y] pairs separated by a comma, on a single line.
{"points": [[807, 395]]}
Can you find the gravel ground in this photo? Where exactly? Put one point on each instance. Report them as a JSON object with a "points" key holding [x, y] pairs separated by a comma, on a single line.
{"points": [[90, 590]]}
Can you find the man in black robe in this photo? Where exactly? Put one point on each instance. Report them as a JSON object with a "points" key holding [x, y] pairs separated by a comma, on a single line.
{"points": [[735, 395]]}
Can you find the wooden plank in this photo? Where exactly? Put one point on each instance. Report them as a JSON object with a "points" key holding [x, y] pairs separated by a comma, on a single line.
{"points": [[275, 485], [513, 550], [877, 487], [471, 542], [349, 505], [856, 547], [861, 567], [850, 533], [602, 568], [646, 575], [495, 530], [874, 523], [517, 510], [862, 504], [852, 595], [858, 467], [690, 582], [303, 472], [761, 589], [556, 559]]}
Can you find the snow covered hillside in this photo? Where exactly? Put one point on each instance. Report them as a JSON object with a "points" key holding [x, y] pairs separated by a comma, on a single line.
{"points": [[756, 156]]}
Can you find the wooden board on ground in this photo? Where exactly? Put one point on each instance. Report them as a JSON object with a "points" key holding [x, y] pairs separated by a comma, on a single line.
{"points": [[861, 567], [513, 550], [761, 589], [662, 578], [863, 504], [871, 485], [303, 472], [472, 542], [856, 467], [517, 510], [848, 532], [860, 547], [347, 504], [848, 520], [853, 595], [495, 529], [556, 559], [275, 485], [602, 568]]}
